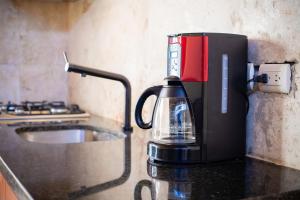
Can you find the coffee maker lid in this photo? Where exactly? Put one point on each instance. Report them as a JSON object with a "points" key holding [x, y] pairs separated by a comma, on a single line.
{"points": [[207, 34]]}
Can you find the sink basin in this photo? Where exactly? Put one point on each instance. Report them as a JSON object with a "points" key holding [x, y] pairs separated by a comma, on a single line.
{"points": [[67, 134]]}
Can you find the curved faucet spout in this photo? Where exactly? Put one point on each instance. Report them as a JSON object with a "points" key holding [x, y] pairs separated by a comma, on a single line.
{"points": [[69, 67]]}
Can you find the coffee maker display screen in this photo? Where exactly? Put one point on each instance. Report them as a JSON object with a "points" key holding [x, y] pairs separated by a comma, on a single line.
{"points": [[174, 59]]}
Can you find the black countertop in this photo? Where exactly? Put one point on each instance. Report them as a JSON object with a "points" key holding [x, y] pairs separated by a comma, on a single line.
{"points": [[118, 169]]}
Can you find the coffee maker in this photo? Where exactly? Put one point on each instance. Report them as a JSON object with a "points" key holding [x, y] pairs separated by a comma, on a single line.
{"points": [[203, 104]]}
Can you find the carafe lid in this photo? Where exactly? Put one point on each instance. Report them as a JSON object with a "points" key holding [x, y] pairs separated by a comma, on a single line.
{"points": [[173, 89], [172, 80]]}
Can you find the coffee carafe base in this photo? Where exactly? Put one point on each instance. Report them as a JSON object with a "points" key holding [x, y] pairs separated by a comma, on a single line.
{"points": [[174, 153]]}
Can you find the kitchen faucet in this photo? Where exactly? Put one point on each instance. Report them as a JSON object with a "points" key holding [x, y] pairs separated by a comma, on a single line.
{"points": [[69, 67]]}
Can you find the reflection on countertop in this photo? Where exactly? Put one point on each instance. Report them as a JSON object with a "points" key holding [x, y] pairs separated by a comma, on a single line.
{"points": [[118, 169]]}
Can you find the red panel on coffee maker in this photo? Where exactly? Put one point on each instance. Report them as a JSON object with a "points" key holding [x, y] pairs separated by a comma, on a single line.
{"points": [[194, 58]]}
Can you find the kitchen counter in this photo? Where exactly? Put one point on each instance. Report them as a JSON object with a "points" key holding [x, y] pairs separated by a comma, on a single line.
{"points": [[118, 169]]}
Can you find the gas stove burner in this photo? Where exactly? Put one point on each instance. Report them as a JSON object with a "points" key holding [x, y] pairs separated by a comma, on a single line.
{"points": [[10, 107], [58, 107], [39, 108], [34, 105], [34, 108]]}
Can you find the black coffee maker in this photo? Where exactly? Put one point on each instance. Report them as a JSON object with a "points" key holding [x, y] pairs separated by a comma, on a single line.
{"points": [[200, 114]]}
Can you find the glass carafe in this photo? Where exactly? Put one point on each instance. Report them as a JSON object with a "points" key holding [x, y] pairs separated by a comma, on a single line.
{"points": [[172, 121]]}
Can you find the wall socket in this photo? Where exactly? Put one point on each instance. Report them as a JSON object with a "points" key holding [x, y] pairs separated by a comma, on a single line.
{"points": [[279, 78]]}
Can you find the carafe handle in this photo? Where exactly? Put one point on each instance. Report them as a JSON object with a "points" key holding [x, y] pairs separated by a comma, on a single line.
{"points": [[140, 104]]}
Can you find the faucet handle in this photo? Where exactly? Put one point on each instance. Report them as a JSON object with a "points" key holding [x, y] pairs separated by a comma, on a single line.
{"points": [[67, 61], [66, 57]]}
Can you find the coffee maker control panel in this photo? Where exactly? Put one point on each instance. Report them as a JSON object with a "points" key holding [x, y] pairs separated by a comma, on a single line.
{"points": [[174, 60]]}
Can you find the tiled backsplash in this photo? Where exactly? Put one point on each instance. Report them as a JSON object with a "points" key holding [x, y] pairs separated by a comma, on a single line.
{"points": [[33, 35]]}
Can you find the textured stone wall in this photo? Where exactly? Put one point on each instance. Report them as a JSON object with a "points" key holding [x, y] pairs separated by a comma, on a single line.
{"points": [[33, 35], [129, 37]]}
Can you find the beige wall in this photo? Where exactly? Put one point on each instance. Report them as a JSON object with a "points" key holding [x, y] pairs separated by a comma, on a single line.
{"points": [[129, 37], [33, 35]]}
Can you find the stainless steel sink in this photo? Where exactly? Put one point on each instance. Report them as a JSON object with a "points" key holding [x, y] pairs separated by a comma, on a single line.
{"points": [[66, 134]]}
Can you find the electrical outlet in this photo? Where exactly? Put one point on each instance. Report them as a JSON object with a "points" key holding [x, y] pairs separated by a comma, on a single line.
{"points": [[279, 78]]}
